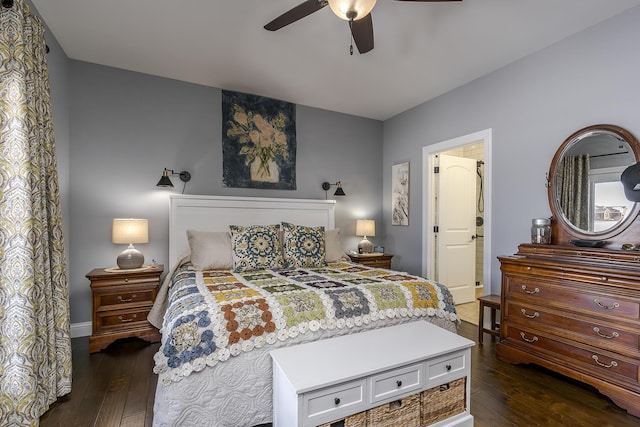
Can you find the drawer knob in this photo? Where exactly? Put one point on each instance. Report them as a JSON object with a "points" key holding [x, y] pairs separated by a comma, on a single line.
{"points": [[399, 383], [126, 299], [126, 280], [527, 291], [600, 334], [336, 401], [532, 340], [448, 367], [604, 279], [606, 307], [613, 363], [529, 316]]}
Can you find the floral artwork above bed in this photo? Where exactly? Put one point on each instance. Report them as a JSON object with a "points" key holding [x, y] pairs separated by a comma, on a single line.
{"points": [[215, 315], [258, 142]]}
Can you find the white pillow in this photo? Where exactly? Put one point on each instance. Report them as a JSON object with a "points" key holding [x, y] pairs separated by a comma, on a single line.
{"points": [[210, 250], [333, 246]]}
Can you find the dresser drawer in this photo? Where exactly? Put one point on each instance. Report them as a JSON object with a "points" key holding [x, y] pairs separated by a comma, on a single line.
{"points": [[588, 330], [561, 295], [396, 382], [601, 364], [335, 401]]}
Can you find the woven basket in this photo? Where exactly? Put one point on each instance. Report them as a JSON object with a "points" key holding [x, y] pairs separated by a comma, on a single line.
{"points": [[442, 402], [356, 420], [405, 413]]}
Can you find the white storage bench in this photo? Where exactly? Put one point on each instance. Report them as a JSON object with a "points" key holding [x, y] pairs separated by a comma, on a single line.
{"points": [[333, 379]]}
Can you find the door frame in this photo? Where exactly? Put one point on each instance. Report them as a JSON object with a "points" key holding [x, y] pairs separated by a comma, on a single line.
{"points": [[428, 211]]}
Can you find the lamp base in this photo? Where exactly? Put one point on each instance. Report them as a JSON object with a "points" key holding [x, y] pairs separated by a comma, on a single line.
{"points": [[365, 246], [130, 258]]}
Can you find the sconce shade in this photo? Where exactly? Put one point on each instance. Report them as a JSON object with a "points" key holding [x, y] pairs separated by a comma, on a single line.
{"points": [[130, 231], [365, 227], [165, 181]]}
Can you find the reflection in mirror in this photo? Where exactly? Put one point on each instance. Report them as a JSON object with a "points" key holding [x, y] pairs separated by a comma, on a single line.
{"points": [[588, 188]]}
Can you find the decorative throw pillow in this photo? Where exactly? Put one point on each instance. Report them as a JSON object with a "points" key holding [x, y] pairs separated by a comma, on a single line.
{"points": [[256, 247], [304, 246], [333, 246], [210, 250]]}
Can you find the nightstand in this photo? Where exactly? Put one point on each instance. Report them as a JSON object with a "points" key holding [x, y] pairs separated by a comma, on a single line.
{"points": [[373, 260], [121, 302]]}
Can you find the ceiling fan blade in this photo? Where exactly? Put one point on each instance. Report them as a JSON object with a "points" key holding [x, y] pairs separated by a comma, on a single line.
{"points": [[295, 14], [362, 32]]}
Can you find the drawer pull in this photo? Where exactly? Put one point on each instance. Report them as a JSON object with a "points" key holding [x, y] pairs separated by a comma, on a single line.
{"points": [[399, 383], [128, 299], [534, 339], [130, 319], [527, 291], [607, 307], [126, 280], [613, 363], [529, 316], [613, 335], [604, 279], [448, 367], [336, 401]]}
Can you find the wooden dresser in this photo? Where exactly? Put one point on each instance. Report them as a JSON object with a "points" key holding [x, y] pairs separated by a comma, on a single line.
{"points": [[575, 311]]}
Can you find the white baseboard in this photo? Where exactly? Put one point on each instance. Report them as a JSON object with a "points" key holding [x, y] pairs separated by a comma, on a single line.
{"points": [[80, 329]]}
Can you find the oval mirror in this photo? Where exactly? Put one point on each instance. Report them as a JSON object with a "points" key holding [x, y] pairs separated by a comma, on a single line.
{"points": [[586, 196]]}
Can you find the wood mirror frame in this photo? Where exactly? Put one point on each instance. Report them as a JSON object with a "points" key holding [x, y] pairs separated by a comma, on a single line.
{"points": [[626, 231]]}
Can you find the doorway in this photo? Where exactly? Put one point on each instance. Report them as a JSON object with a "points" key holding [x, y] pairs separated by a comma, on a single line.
{"points": [[474, 154]]}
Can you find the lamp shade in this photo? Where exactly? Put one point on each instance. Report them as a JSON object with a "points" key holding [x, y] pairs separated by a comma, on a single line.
{"points": [[165, 181], [130, 230], [351, 9], [365, 227], [339, 190]]}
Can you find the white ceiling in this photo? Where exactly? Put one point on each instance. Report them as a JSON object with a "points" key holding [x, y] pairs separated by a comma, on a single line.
{"points": [[422, 50]]}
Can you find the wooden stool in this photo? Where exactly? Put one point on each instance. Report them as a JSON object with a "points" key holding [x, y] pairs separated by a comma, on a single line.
{"points": [[493, 302]]}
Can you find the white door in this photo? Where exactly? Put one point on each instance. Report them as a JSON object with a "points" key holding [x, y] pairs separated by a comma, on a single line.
{"points": [[456, 220]]}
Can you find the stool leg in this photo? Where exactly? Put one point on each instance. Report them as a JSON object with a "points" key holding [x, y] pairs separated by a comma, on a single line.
{"points": [[481, 323]]}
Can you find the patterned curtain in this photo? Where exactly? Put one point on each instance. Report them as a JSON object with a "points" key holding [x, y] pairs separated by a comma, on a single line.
{"points": [[573, 189], [35, 344]]}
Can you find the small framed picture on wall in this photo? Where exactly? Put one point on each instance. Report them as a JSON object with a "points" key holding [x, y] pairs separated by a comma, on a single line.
{"points": [[400, 194]]}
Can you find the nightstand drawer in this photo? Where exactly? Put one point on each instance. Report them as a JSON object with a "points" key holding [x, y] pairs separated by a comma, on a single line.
{"points": [[122, 318], [335, 402], [132, 297], [396, 382]]}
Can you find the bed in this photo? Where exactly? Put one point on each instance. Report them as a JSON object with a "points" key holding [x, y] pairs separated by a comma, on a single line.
{"points": [[249, 275]]}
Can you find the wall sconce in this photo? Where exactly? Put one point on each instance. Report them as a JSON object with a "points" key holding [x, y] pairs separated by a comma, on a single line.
{"points": [[165, 181], [364, 228], [130, 231], [339, 191]]}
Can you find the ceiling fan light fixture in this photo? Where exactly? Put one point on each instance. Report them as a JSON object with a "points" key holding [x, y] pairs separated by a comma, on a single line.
{"points": [[351, 9]]}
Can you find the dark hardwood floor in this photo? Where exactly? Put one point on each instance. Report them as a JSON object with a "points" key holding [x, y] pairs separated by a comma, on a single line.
{"points": [[116, 387]]}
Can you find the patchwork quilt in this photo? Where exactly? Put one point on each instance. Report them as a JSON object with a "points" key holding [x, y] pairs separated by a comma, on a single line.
{"points": [[215, 315]]}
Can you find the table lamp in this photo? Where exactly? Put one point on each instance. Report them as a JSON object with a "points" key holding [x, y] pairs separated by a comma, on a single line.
{"points": [[365, 227], [130, 231]]}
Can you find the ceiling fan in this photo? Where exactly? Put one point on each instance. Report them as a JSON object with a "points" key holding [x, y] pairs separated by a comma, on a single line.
{"points": [[356, 12]]}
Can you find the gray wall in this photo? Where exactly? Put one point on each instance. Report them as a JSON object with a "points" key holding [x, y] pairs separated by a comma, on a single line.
{"points": [[126, 127], [532, 106]]}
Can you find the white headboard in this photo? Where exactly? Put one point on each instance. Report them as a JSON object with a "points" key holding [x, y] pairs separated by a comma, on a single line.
{"points": [[216, 213]]}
